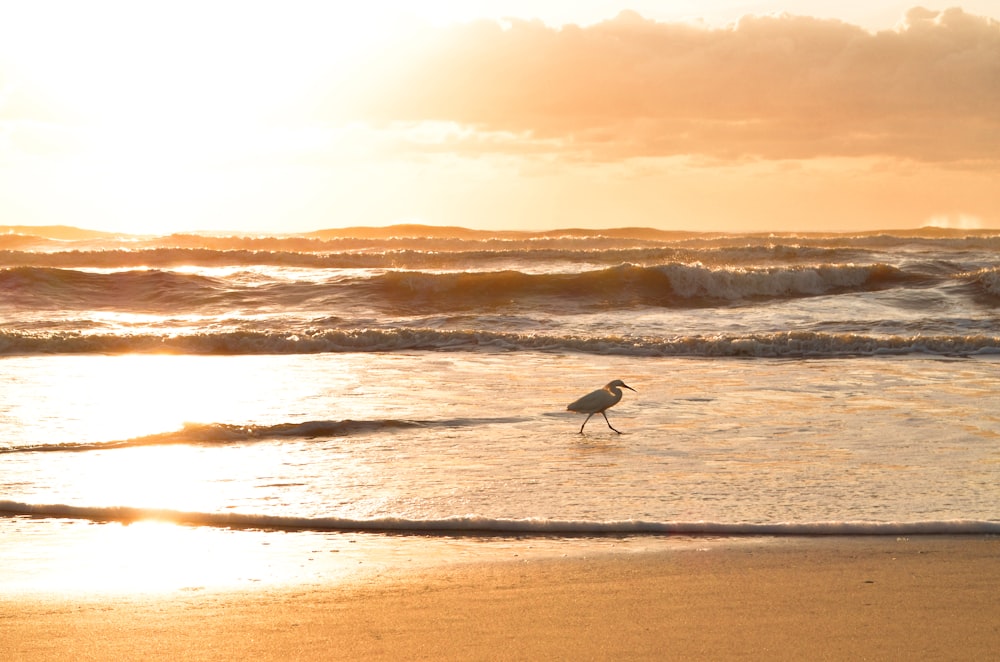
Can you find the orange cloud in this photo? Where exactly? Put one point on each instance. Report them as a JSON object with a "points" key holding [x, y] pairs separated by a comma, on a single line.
{"points": [[775, 87]]}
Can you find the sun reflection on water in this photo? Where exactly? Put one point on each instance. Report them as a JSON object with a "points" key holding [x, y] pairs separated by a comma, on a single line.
{"points": [[170, 477], [134, 395], [91, 398], [154, 557]]}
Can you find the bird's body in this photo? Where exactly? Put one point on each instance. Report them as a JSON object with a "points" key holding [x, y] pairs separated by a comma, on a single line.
{"points": [[599, 401]]}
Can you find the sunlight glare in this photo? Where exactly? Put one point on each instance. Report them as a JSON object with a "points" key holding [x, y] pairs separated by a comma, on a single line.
{"points": [[156, 557], [128, 396], [167, 114]]}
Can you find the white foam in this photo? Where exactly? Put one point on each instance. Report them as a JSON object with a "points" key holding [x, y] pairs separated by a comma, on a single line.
{"points": [[770, 345]]}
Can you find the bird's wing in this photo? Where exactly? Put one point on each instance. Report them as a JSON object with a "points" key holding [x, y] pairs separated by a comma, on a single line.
{"points": [[589, 403]]}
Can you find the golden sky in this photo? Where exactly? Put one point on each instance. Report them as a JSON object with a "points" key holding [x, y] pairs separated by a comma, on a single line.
{"points": [[701, 115]]}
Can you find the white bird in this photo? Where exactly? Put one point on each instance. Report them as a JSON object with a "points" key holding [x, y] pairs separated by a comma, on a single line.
{"points": [[599, 401]]}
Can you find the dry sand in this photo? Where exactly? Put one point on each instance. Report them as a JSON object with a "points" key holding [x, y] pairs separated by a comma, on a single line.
{"points": [[923, 598]]}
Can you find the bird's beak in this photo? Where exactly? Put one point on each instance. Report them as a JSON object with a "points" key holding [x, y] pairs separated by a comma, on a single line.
{"points": [[629, 388]]}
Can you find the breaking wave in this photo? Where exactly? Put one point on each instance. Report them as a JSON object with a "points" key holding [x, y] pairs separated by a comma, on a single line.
{"points": [[766, 345], [409, 258], [49, 287], [228, 433], [478, 525], [987, 280], [626, 285], [630, 285]]}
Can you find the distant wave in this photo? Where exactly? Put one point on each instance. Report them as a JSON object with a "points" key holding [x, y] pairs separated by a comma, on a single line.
{"points": [[49, 287], [476, 525], [318, 246], [228, 433], [626, 285], [409, 258], [391, 292], [433, 238], [795, 344]]}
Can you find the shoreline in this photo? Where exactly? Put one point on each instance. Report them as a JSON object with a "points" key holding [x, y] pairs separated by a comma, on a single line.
{"points": [[881, 597]]}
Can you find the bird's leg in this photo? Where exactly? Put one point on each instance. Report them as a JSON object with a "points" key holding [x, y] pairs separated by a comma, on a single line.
{"points": [[585, 422], [608, 422]]}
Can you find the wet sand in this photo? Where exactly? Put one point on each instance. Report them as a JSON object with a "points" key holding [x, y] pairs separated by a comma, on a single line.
{"points": [[876, 598]]}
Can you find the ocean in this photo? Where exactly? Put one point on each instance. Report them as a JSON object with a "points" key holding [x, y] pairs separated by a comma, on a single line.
{"points": [[195, 411]]}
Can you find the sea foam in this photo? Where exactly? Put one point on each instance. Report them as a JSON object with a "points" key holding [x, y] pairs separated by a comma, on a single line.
{"points": [[790, 344]]}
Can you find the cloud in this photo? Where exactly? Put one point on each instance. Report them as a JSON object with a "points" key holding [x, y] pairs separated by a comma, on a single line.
{"points": [[770, 87]]}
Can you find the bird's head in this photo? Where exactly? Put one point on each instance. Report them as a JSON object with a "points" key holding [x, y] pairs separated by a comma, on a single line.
{"points": [[618, 384]]}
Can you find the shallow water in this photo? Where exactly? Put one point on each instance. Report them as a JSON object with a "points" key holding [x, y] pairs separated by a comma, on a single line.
{"points": [[208, 426], [426, 436]]}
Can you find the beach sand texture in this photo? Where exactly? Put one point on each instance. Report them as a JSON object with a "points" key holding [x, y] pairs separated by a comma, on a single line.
{"points": [[865, 598]]}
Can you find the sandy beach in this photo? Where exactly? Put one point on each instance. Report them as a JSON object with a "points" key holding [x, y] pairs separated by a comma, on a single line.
{"points": [[875, 598]]}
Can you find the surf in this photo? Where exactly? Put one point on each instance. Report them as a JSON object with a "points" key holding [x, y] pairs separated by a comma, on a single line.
{"points": [[476, 526], [789, 344]]}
